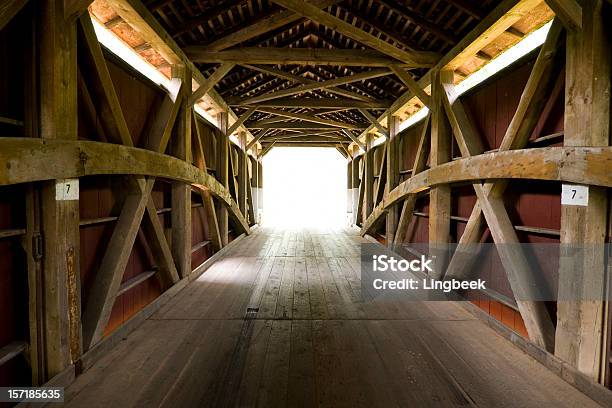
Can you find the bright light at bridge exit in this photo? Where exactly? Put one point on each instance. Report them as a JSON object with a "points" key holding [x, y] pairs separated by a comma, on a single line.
{"points": [[304, 187]]}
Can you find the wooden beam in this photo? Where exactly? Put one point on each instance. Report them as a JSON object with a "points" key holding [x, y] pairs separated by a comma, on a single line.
{"points": [[322, 103], [375, 122], [354, 138], [494, 28], [207, 200], [251, 183], [30, 240], [87, 103], [263, 26], [94, 64], [102, 303], [131, 12], [308, 118], [12, 350], [74, 8], [580, 327], [568, 11], [267, 149], [289, 135], [368, 179], [29, 160], [407, 79], [162, 121], [538, 164], [211, 81], [392, 159], [463, 50], [283, 143], [8, 10], [466, 134], [242, 173], [302, 56], [520, 128], [439, 197], [534, 313], [420, 162], [158, 135], [294, 125], [314, 13], [421, 21], [140, 18], [61, 308], [537, 321], [381, 176], [29, 157], [181, 192], [241, 120], [355, 183], [222, 175], [257, 138], [299, 79], [375, 73], [467, 8], [156, 239], [360, 195], [535, 316], [306, 139], [107, 280]]}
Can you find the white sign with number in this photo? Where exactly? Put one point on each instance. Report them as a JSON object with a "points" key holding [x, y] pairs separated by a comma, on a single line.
{"points": [[573, 194], [66, 190]]}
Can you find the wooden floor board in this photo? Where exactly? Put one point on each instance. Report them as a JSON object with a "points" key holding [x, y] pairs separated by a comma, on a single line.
{"points": [[280, 321]]}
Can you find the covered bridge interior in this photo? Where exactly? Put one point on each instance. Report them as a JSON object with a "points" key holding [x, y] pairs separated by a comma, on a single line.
{"points": [[134, 266]]}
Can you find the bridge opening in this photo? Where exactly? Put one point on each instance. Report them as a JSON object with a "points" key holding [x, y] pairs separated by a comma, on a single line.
{"points": [[304, 187]]}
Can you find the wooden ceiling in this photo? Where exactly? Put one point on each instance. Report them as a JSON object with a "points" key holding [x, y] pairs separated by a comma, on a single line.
{"points": [[279, 52]]}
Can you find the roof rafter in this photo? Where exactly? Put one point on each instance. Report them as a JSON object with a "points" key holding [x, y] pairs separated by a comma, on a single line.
{"points": [[262, 26], [314, 13], [319, 85], [308, 118]]}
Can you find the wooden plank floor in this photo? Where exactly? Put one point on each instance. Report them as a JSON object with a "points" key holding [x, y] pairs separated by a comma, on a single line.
{"points": [[312, 342]]}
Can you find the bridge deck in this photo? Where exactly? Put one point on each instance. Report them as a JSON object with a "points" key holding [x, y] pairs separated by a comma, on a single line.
{"points": [[309, 341]]}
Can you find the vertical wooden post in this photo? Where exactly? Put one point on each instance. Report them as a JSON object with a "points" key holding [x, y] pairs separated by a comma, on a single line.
{"points": [[439, 197], [252, 184], [60, 208], [222, 175], [349, 190], [242, 173], [181, 192], [580, 324], [368, 181], [392, 176], [356, 181], [32, 238], [260, 202]]}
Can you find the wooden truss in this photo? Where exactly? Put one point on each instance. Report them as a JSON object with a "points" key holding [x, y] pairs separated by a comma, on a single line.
{"points": [[490, 199]]}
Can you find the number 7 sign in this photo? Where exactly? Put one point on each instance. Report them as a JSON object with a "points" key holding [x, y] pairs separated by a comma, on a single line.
{"points": [[67, 189], [574, 194]]}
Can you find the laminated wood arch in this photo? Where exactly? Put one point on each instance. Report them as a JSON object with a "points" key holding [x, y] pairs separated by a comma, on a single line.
{"points": [[29, 160], [574, 165]]}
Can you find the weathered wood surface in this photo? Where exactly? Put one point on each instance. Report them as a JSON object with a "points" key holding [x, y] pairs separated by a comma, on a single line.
{"points": [[312, 342], [66, 159], [552, 163], [29, 160]]}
